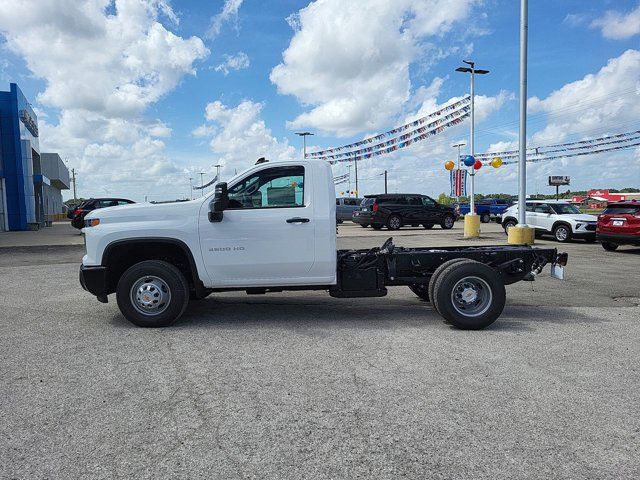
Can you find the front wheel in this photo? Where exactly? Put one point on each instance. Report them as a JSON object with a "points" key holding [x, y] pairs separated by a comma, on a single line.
{"points": [[562, 233], [609, 247], [469, 295], [447, 222], [152, 293], [485, 218], [507, 225]]}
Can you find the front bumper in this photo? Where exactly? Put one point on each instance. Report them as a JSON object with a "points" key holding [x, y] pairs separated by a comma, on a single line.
{"points": [[94, 280], [365, 219], [619, 238]]}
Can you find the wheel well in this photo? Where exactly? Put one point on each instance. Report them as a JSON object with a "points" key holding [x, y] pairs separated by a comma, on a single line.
{"points": [[119, 256], [560, 222], [509, 219]]}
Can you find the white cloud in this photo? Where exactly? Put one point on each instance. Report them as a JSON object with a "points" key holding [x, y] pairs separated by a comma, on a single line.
{"points": [[239, 61], [619, 26], [104, 63], [240, 136], [349, 61], [228, 13]]}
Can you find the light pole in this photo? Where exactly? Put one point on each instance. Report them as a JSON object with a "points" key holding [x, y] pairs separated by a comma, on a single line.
{"points": [[355, 162], [458, 145], [522, 233], [473, 71], [349, 172], [191, 187], [385, 181], [201, 184], [304, 136], [218, 166]]}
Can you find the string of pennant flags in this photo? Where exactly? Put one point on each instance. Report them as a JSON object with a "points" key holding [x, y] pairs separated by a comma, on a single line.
{"points": [[575, 154], [569, 146], [331, 153]]}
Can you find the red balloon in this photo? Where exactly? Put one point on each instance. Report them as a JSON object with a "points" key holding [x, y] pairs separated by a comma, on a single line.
{"points": [[477, 165]]}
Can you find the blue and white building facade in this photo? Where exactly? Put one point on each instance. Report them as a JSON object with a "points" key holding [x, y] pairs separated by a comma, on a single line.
{"points": [[30, 182]]}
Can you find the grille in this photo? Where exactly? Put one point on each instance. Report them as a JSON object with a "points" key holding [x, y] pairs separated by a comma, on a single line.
{"points": [[591, 227]]}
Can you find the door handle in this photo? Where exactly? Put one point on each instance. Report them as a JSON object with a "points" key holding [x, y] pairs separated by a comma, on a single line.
{"points": [[297, 220]]}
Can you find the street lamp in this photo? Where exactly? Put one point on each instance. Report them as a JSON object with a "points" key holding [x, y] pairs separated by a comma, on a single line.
{"points": [[304, 136], [473, 232]]}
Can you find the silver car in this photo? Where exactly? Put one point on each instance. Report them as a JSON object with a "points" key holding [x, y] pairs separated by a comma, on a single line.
{"points": [[345, 206]]}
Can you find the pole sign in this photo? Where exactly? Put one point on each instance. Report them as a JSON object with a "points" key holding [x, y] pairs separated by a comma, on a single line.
{"points": [[557, 180], [458, 179]]}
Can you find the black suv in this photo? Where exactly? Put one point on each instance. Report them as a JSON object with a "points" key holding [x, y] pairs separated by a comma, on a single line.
{"points": [[394, 210], [81, 211]]}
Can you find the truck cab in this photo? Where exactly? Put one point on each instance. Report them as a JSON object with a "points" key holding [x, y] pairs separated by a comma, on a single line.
{"points": [[272, 228]]}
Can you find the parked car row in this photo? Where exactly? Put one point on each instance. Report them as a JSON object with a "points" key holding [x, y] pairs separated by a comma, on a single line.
{"points": [[488, 209], [618, 225], [396, 210]]}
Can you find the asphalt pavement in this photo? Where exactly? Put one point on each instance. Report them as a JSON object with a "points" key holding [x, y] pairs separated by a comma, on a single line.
{"points": [[300, 385]]}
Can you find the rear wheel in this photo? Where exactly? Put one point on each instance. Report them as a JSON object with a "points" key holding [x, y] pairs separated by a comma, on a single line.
{"points": [[447, 222], [428, 226], [394, 222], [469, 295], [562, 233], [364, 225], [610, 247], [152, 293], [437, 272], [485, 218]]}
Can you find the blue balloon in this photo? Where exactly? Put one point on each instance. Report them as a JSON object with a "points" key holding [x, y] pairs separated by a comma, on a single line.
{"points": [[469, 160]]}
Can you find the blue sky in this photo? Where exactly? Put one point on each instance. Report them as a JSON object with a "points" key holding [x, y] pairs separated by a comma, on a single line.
{"points": [[122, 88]]}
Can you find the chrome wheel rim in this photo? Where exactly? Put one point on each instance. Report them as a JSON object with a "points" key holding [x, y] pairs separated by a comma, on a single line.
{"points": [[394, 222], [561, 234], [150, 295], [471, 296]]}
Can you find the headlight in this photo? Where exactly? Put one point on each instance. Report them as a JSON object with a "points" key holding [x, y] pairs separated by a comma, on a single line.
{"points": [[92, 222]]}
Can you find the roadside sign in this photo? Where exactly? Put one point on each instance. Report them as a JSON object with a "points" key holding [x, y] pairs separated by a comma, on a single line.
{"points": [[557, 180]]}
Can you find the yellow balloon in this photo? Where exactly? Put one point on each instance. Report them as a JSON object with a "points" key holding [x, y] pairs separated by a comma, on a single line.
{"points": [[496, 162], [449, 165]]}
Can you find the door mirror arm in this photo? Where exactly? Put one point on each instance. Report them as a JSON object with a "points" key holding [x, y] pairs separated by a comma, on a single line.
{"points": [[219, 203]]}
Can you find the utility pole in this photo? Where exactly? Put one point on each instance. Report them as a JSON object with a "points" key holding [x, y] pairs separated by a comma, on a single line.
{"points": [[349, 170], [201, 184], [73, 179], [191, 187], [385, 181], [304, 136], [522, 139], [218, 171], [355, 161]]}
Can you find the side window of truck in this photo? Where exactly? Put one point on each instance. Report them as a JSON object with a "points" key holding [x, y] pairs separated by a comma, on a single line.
{"points": [[275, 187]]}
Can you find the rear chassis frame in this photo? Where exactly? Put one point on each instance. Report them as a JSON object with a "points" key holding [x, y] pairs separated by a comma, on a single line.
{"points": [[367, 273]]}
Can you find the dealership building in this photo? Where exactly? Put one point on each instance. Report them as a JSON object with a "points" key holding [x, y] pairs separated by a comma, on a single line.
{"points": [[31, 182]]}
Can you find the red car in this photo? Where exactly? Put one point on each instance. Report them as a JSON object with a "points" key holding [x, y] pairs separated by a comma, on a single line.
{"points": [[619, 225]]}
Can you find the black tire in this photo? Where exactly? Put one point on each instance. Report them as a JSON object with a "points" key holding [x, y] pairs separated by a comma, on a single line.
{"points": [[438, 271], [507, 225], [562, 233], [469, 278], [421, 290], [376, 226], [148, 273], [364, 225], [394, 222], [610, 247], [428, 226], [338, 221], [447, 222], [485, 218]]}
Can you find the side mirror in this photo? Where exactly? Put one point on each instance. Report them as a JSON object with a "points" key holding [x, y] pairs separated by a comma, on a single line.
{"points": [[219, 203]]}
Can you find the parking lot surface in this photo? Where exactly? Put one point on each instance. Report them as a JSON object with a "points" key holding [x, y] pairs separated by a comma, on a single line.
{"points": [[301, 385]]}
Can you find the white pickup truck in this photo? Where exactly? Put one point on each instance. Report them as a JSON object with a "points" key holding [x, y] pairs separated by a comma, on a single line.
{"points": [[272, 228]]}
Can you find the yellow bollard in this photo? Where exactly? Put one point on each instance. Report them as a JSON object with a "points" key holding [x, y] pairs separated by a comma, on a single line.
{"points": [[471, 226], [518, 235]]}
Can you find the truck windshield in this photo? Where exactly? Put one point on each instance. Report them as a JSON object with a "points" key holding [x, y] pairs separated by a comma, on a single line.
{"points": [[564, 209]]}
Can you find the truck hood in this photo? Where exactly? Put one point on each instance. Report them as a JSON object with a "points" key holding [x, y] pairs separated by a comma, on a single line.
{"points": [[145, 211]]}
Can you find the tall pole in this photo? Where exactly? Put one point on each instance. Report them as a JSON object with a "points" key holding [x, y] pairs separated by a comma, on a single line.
{"points": [[349, 170], [73, 176], [522, 142], [201, 184], [218, 171], [356, 165], [304, 136], [191, 187], [472, 206], [385, 181]]}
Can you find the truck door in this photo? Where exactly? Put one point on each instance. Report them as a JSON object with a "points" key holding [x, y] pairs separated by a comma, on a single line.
{"points": [[266, 236]]}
